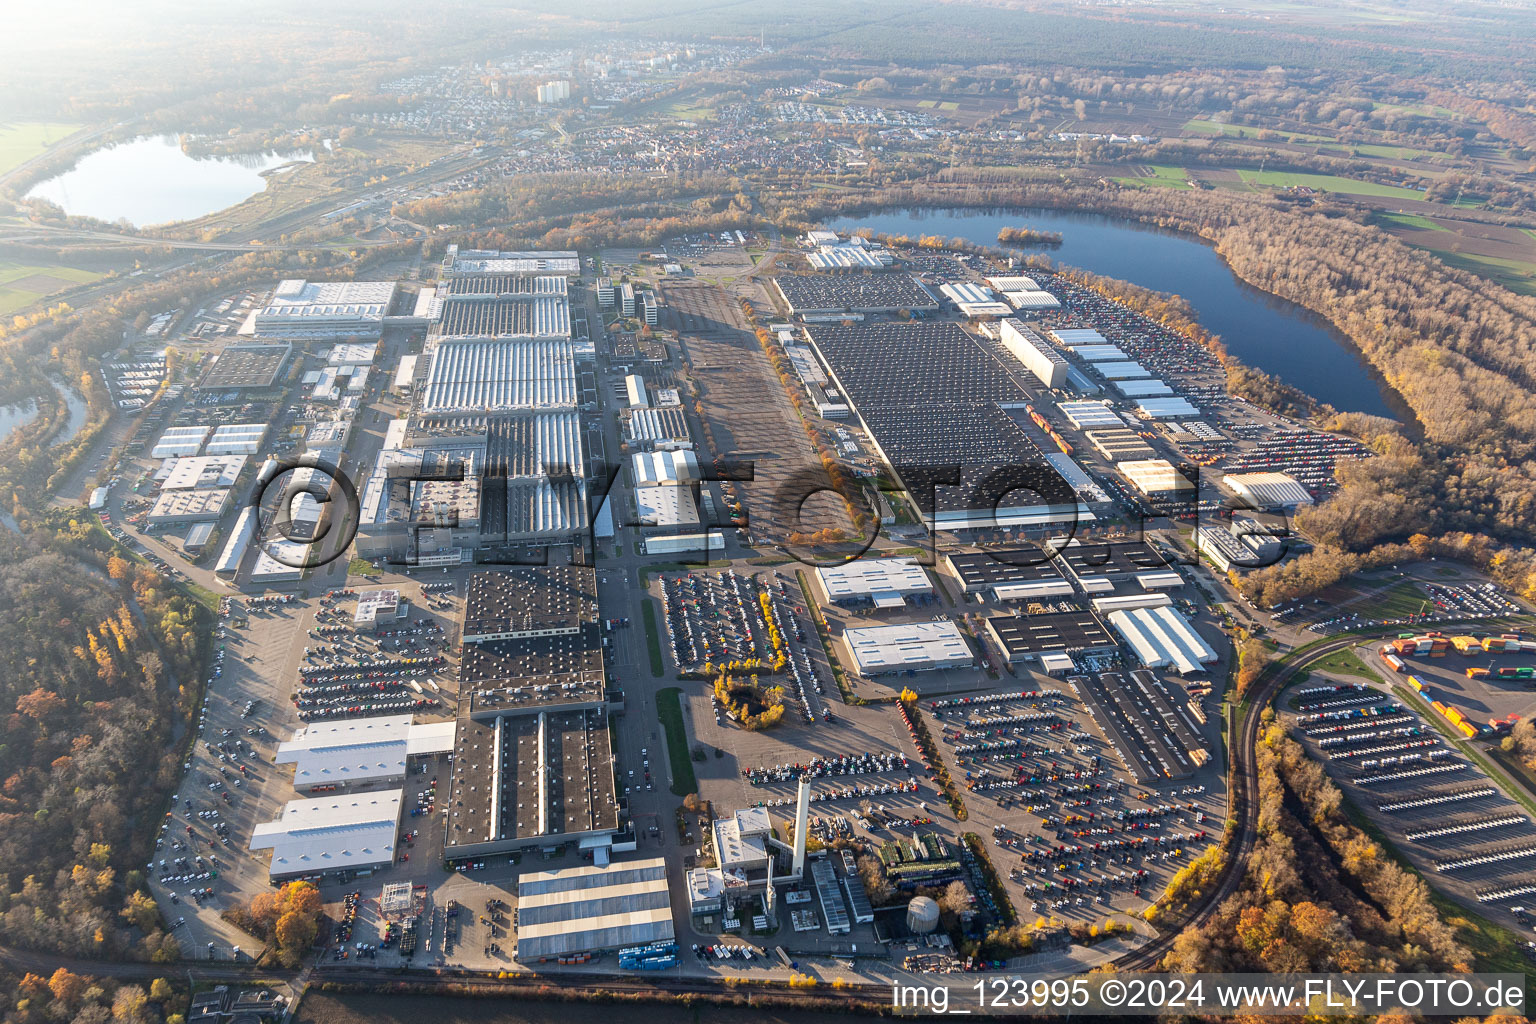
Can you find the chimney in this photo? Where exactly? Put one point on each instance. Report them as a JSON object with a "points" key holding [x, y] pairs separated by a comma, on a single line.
{"points": [[802, 814]]}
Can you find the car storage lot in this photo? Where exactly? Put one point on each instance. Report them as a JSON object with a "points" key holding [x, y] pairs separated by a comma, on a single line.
{"points": [[1030, 760], [1449, 811]]}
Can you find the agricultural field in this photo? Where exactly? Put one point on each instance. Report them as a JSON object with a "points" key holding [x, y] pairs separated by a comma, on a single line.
{"points": [[22, 284], [1159, 174], [1326, 183], [1241, 131], [20, 142]]}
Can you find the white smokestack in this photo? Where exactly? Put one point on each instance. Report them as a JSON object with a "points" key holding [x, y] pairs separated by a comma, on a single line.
{"points": [[802, 816]]}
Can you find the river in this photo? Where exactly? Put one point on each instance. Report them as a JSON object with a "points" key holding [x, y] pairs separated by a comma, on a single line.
{"points": [[151, 181], [1271, 334]]}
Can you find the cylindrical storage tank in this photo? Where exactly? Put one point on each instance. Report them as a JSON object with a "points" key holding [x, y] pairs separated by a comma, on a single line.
{"points": [[922, 915]]}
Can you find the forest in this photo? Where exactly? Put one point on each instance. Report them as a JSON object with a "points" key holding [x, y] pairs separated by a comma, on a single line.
{"points": [[65, 997], [100, 659]]}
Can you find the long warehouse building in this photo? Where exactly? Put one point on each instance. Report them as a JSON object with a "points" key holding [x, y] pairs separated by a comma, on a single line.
{"points": [[1162, 638]]}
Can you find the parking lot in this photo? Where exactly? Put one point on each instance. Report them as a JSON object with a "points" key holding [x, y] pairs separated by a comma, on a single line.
{"points": [[1436, 806]]}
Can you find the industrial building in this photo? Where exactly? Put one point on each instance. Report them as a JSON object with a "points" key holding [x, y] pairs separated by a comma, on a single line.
{"points": [[634, 388], [1127, 370], [1013, 574], [176, 508], [238, 544], [658, 428], [1233, 550], [503, 286], [882, 582], [245, 367], [532, 759], [180, 442], [1077, 337], [1090, 415], [908, 647], [1161, 637], [666, 506], [505, 374], [326, 309], [1096, 355], [1120, 445], [376, 608], [593, 908], [663, 468], [1039, 356], [201, 472], [237, 439], [347, 754], [528, 602], [1029, 637], [522, 316], [1156, 478], [1097, 566], [973, 300], [338, 832], [1268, 490], [197, 538], [457, 262], [1166, 408]]}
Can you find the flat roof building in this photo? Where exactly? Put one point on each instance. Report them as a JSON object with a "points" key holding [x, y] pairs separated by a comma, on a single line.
{"points": [[247, 366], [1027, 637], [1120, 445], [505, 374], [174, 508], [907, 647], [529, 601], [202, 472], [460, 262], [1013, 574], [884, 582]]}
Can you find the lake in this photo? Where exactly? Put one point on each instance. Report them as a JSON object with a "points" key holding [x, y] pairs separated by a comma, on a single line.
{"points": [[151, 181], [1278, 337]]}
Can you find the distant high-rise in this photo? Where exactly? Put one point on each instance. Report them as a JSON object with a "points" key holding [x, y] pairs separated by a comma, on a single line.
{"points": [[555, 92]]}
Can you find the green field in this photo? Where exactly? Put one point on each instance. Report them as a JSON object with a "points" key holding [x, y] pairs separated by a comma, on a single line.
{"points": [[669, 711], [1519, 276], [1167, 177], [1345, 663], [1411, 221], [1380, 151], [1399, 602], [927, 104], [22, 284], [1243, 131], [21, 141], [652, 637], [949, 106], [1326, 183]]}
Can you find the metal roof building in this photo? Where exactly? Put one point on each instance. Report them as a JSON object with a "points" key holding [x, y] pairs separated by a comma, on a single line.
{"points": [[204, 471], [326, 308], [661, 468], [1100, 354], [1087, 415], [1161, 637], [353, 832], [513, 373], [458, 261], [592, 909], [1127, 370], [1155, 476], [353, 752], [1268, 490], [1145, 388], [1076, 337], [908, 647], [1167, 408]]}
